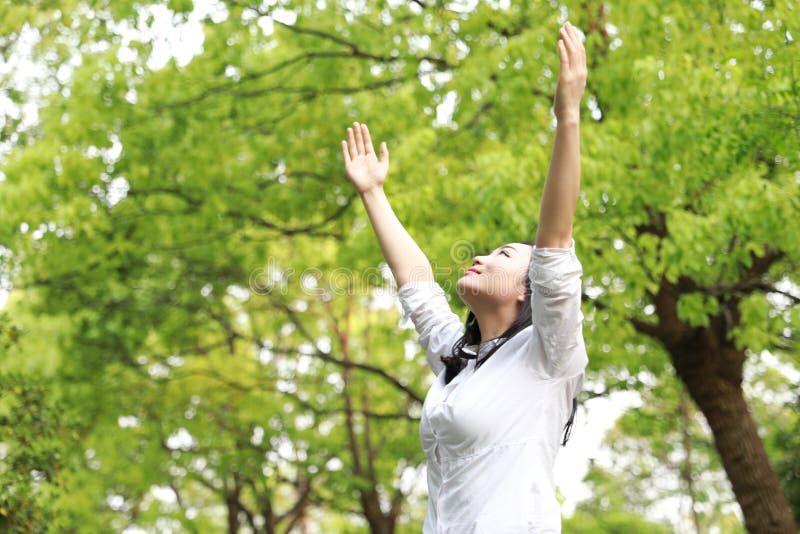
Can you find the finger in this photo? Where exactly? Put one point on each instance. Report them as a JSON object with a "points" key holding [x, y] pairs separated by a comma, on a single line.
{"points": [[367, 139], [576, 38], [352, 139], [567, 38], [384, 153], [345, 153], [579, 56], [359, 138], [582, 47], [562, 53]]}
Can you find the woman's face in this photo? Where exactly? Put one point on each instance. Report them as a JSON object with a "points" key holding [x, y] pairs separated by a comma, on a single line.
{"points": [[499, 276]]}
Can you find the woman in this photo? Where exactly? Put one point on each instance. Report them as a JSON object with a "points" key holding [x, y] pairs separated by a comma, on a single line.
{"points": [[505, 386]]}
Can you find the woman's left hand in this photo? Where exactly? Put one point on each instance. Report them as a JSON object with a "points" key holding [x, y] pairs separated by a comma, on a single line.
{"points": [[572, 75]]}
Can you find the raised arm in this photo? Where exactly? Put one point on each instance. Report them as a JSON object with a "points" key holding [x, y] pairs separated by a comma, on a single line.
{"points": [[564, 175], [367, 173], [555, 271]]}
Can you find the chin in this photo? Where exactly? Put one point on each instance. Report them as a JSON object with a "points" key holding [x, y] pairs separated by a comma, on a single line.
{"points": [[466, 288], [462, 285]]}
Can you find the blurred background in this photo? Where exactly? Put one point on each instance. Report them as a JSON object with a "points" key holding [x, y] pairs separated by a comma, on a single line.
{"points": [[198, 334]]}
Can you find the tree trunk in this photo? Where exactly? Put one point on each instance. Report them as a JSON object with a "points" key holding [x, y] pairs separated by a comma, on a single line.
{"points": [[709, 364], [363, 455], [232, 504], [711, 367], [754, 482]]}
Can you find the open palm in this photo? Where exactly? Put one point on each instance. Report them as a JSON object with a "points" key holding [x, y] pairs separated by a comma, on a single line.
{"points": [[363, 167], [572, 74]]}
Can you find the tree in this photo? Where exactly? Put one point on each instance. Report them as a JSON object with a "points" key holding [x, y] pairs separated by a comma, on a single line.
{"points": [[708, 260], [36, 446], [173, 210], [663, 463]]}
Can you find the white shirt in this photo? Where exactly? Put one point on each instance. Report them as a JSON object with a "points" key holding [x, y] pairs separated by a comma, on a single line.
{"points": [[491, 436]]}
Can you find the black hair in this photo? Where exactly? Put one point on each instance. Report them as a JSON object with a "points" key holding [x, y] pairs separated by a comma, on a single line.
{"points": [[457, 360]]}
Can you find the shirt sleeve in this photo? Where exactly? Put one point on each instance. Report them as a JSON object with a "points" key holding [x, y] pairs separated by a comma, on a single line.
{"points": [[438, 327], [555, 275]]}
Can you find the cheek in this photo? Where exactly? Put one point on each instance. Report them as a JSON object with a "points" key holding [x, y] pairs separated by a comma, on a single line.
{"points": [[509, 281], [522, 278]]}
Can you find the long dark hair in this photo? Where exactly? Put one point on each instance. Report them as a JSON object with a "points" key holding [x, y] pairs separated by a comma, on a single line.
{"points": [[457, 360]]}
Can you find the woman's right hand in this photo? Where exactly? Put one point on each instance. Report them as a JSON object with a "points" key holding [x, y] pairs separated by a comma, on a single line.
{"points": [[363, 167]]}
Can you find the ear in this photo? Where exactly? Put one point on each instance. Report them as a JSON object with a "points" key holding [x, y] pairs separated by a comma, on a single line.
{"points": [[521, 298]]}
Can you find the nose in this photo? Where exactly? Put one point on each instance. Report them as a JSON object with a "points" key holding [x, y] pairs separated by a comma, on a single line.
{"points": [[478, 260]]}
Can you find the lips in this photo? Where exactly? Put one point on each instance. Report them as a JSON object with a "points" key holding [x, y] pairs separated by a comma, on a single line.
{"points": [[472, 271]]}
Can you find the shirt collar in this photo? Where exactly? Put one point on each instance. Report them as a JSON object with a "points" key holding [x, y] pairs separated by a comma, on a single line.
{"points": [[480, 349]]}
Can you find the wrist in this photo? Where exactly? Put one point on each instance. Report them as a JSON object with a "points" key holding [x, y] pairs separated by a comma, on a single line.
{"points": [[569, 118], [372, 192]]}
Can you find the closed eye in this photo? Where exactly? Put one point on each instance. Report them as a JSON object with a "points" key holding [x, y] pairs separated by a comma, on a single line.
{"points": [[506, 254]]}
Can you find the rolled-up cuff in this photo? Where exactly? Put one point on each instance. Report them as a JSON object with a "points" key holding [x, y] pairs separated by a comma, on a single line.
{"points": [[413, 294], [550, 266]]}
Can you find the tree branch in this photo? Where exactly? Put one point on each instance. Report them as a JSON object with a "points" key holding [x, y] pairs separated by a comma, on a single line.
{"points": [[326, 356]]}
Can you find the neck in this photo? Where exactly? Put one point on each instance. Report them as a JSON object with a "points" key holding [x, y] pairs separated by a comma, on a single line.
{"points": [[493, 320]]}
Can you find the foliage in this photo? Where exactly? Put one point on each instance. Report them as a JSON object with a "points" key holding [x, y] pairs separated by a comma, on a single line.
{"points": [[611, 521], [193, 268], [36, 448], [9, 333]]}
